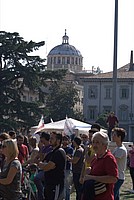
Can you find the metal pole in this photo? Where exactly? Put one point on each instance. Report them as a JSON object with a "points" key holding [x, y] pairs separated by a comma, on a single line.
{"points": [[115, 57]]}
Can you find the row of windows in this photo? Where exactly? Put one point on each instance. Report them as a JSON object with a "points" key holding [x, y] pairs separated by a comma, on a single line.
{"points": [[93, 93], [124, 114], [65, 60]]}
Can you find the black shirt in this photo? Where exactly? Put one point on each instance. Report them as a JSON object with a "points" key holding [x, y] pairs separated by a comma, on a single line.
{"points": [[56, 176]]}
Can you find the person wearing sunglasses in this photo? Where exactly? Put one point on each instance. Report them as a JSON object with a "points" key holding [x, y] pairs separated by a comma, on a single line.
{"points": [[11, 174], [3, 136]]}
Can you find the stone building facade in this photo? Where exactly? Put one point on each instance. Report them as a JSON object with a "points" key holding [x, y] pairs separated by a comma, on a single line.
{"points": [[98, 96]]}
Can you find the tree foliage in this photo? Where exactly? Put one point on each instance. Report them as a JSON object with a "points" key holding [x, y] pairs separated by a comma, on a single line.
{"points": [[19, 69], [102, 118], [61, 100]]}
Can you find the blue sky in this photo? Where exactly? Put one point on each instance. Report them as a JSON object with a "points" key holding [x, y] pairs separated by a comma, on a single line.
{"points": [[89, 24]]}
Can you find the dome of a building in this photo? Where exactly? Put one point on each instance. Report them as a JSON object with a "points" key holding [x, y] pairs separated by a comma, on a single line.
{"points": [[65, 49], [65, 56]]}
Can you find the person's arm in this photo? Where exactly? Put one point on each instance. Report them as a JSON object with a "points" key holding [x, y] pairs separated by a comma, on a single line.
{"points": [[107, 121], [116, 122], [102, 179], [25, 153], [73, 160], [89, 157], [118, 156], [11, 174], [47, 166], [40, 156], [31, 158], [81, 180], [117, 159]]}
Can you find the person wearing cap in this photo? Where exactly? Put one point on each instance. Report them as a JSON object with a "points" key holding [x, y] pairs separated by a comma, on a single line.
{"points": [[68, 171]]}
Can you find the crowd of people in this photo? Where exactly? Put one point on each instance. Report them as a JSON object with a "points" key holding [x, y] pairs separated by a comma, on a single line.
{"points": [[81, 163]]}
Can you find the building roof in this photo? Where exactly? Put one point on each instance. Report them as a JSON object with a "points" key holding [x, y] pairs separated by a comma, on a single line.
{"points": [[125, 72], [122, 73], [65, 48]]}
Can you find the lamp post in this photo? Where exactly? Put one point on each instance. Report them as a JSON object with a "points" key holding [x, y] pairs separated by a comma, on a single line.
{"points": [[115, 57]]}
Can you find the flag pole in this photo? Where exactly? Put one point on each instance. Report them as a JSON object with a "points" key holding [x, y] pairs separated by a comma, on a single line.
{"points": [[115, 57]]}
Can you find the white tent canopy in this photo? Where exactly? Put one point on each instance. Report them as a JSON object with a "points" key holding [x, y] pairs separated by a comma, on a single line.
{"points": [[60, 125]]}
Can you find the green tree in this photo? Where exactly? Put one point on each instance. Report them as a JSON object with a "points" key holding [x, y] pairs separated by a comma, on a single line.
{"points": [[61, 100], [19, 69], [102, 120]]}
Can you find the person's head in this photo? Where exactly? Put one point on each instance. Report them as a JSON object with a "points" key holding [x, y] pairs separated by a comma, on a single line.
{"points": [[118, 134], [84, 137], [10, 149], [12, 134], [91, 132], [55, 139], [20, 139], [44, 137], [66, 140], [4, 136], [100, 142], [77, 141], [96, 125], [33, 141], [112, 113]]}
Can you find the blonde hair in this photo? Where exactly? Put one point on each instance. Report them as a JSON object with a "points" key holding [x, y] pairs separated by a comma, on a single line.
{"points": [[12, 148]]}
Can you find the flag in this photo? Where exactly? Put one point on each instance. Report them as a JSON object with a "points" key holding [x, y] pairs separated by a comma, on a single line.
{"points": [[40, 125], [68, 127], [51, 120]]}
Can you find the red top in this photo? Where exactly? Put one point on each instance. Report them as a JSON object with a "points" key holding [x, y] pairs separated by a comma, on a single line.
{"points": [[105, 166], [131, 155], [23, 153], [112, 120]]}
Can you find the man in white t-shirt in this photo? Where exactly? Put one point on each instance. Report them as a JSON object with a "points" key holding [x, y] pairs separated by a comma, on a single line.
{"points": [[120, 153]]}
